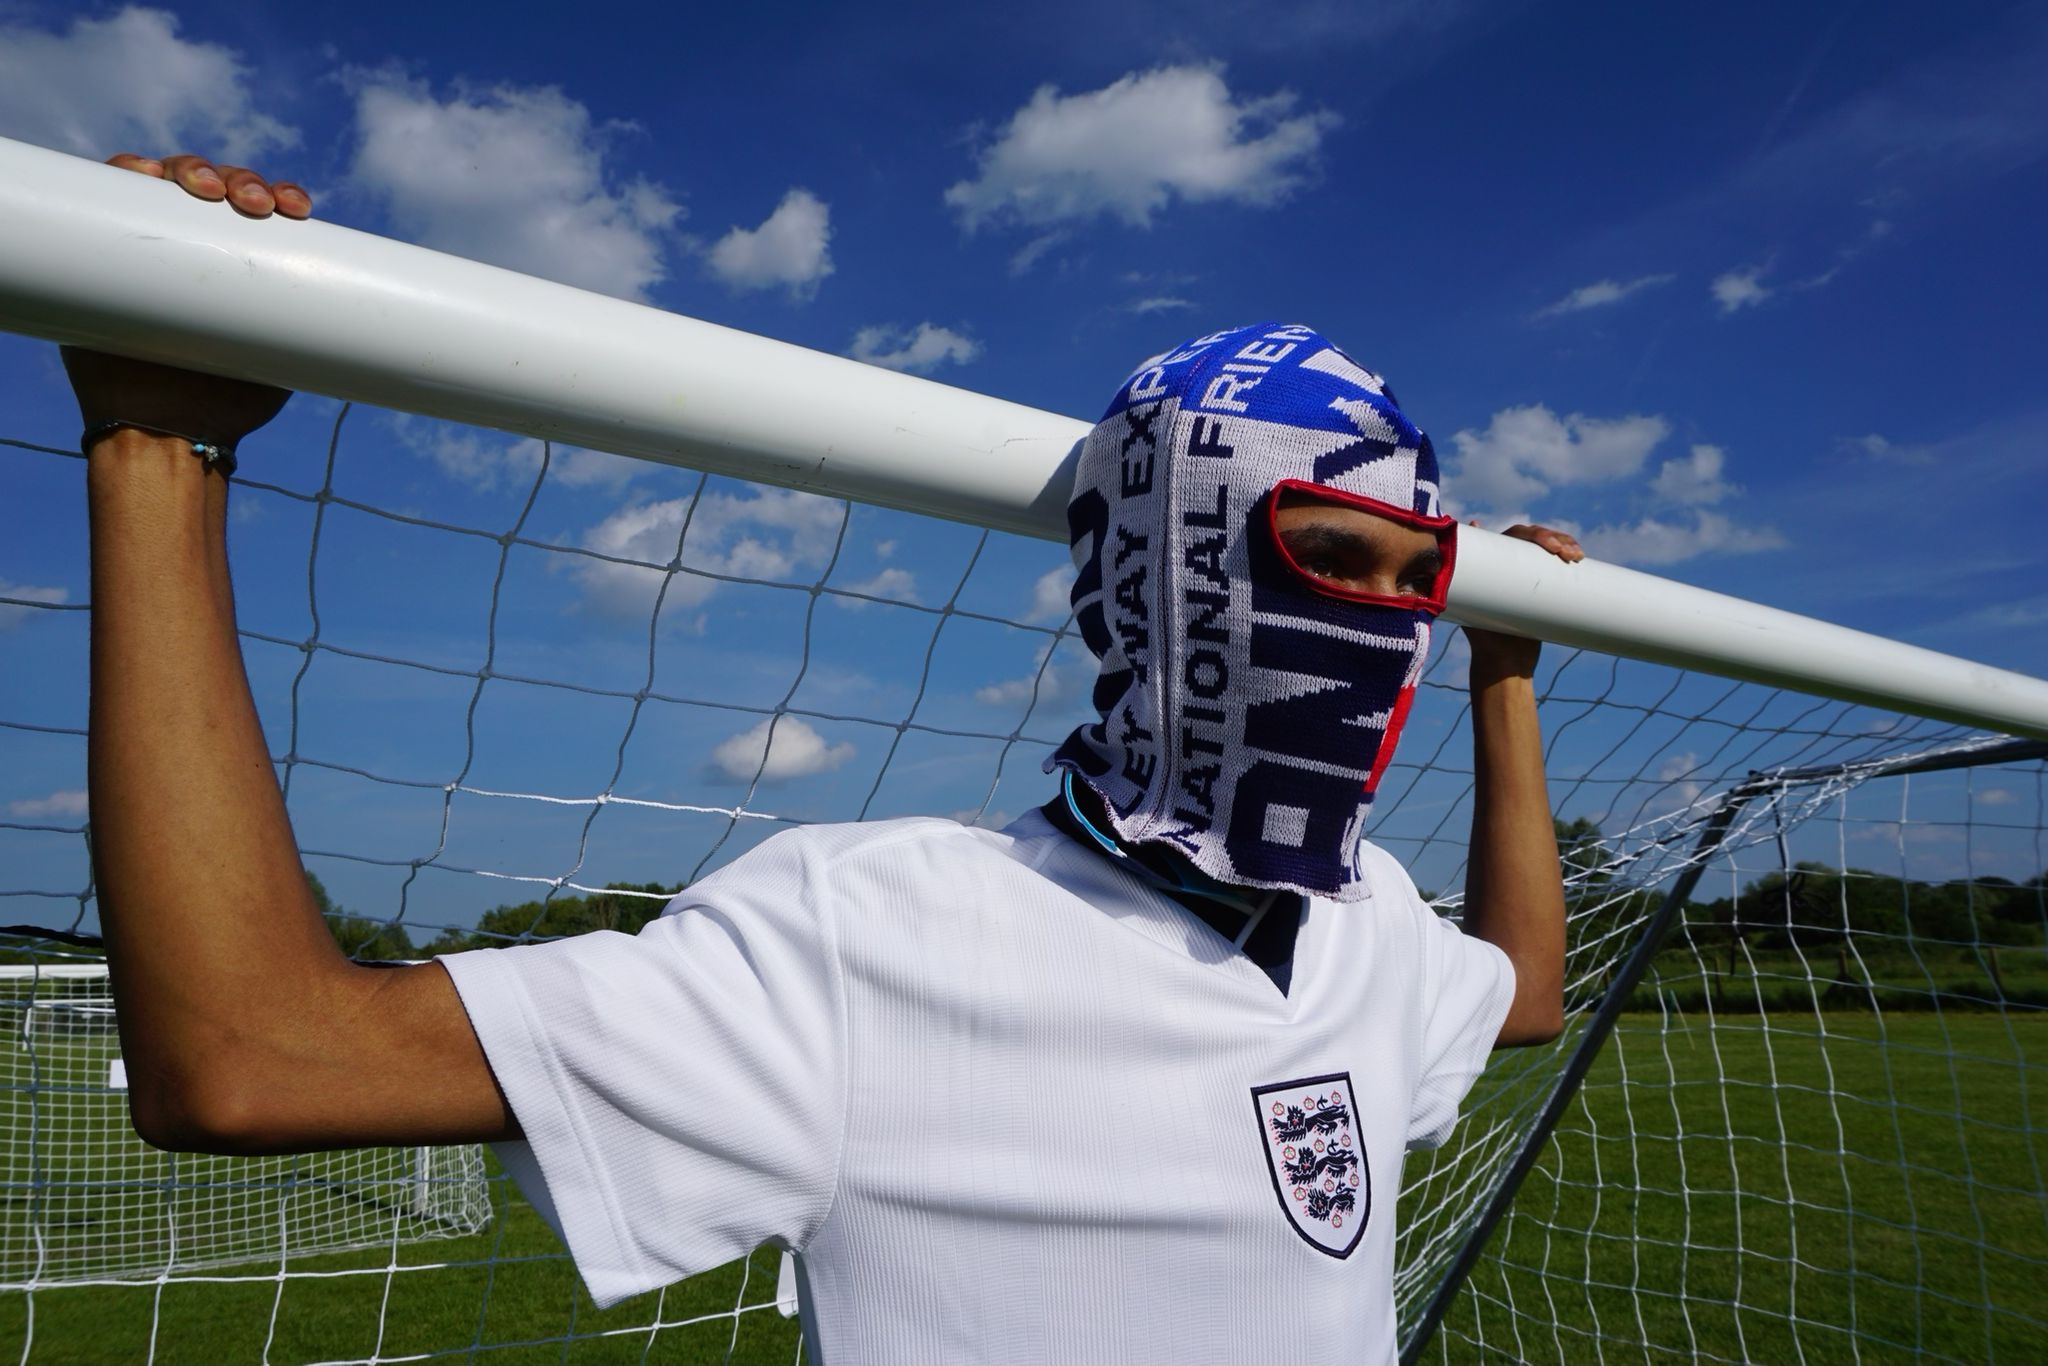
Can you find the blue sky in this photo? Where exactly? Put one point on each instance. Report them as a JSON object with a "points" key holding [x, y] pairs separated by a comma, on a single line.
{"points": [[1748, 295]]}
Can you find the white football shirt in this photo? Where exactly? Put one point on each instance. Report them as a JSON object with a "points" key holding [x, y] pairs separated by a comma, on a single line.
{"points": [[1004, 1099]]}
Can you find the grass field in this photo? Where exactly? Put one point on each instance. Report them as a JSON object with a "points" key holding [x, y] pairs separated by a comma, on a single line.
{"points": [[1678, 1216], [1630, 1242]]}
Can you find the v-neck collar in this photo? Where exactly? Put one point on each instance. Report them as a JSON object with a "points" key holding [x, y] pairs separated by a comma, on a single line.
{"points": [[1270, 946]]}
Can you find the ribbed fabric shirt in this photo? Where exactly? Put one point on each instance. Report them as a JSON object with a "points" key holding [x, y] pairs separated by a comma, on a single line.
{"points": [[1005, 1100]]}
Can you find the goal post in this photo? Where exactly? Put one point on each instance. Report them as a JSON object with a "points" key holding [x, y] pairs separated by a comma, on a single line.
{"points": [[1794, 1112], [106, 258]]}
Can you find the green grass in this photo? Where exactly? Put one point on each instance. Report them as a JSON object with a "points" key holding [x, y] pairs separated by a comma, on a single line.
{"points": [[507, 1295], [1628, 1241]]}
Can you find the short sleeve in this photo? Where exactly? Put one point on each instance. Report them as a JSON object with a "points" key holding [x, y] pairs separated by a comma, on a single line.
{"points": [[681, 1091], [1467, 987]]}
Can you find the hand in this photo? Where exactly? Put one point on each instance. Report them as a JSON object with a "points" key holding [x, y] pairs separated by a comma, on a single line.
{"points": [[245, 191], [205, 407], [1496, 655]]}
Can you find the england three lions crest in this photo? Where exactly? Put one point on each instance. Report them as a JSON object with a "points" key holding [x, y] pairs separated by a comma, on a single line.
{"points": [[1310, 1131]]}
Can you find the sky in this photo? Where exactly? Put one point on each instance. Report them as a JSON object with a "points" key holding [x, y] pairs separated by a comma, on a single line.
{"points": [[1745, 295]]}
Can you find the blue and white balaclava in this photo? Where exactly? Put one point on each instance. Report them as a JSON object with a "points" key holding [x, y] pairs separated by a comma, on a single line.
{"points": [[1248, 710]]}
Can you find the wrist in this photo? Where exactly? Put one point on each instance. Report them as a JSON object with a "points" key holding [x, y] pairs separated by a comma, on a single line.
{"points": [[130, 437]]}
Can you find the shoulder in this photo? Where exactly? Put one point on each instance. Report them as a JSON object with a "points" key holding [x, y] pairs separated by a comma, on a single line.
{"points": [[1387, 880], [816, 857]]}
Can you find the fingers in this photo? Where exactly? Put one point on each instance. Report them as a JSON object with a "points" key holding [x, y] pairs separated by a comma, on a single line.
{"points": [[1562, 544], [246, 191], [195, 176], [128, 161]]}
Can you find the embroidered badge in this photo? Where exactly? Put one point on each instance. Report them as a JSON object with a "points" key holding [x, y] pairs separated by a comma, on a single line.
{"points": [[1314, 1156]]}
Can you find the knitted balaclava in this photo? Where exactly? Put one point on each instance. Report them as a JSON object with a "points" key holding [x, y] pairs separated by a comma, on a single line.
{"points": [[1248, 710]]}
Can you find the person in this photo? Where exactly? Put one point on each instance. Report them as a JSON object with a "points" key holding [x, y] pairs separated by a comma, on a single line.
{"points": [[1130, 1080]]}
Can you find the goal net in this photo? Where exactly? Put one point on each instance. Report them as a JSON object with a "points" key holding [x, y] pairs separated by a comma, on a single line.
{"points": [[516, 692], [88, 1200]]}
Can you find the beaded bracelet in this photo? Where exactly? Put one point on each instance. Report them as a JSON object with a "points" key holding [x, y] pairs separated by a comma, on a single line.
{"points": [[215, 455]]}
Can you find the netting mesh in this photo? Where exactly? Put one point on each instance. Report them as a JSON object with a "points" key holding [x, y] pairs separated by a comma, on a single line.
{"points": [[575, 684], [91, 1201]]}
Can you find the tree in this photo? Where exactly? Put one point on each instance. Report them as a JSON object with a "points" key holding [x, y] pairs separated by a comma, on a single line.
{"points": [[360, 937], [1584, 853], [562, 916]]}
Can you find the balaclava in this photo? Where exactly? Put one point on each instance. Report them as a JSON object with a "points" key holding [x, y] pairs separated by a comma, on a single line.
{"points": [[1248, 710]]}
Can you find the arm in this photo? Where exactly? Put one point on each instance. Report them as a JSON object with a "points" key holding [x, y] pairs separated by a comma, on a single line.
{"points": [[244, 1027], [1514, 883]]}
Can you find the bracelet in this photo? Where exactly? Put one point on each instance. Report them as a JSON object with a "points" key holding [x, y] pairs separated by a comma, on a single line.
{"points": [[215, 455]]}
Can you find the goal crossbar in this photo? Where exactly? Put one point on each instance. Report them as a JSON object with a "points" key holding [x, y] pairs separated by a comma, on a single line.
{"points": [[104, 258]]}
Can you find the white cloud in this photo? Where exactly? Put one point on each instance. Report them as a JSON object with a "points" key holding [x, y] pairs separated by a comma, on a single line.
{"points": [[1069, 676], [13, 614], [1684, 788], [897, 585], [129, 83], [1029, 254], [1996, 796], [488, 461], [1524, 451], [513, 175], [1051, 596], [1601, 293], [1742, 288], [71, 803], [1890, 452], [922, 349], [1134, 146], [1694, 480], [795, 751], [767, 534], [1654, 542], [1160, 303], [1016, 692], [790, 250]]}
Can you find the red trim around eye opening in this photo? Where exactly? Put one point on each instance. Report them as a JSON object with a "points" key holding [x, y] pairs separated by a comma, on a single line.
{"points": [[1445, 529]]}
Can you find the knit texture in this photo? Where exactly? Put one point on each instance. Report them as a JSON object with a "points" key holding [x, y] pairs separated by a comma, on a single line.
{"points": [[1246, 717]]}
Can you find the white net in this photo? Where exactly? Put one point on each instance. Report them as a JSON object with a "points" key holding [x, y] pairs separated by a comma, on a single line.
{"points": [[515, 693], [87, 1200], [1812, 1134]]}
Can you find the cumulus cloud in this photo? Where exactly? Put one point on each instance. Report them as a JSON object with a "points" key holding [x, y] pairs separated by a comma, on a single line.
{"points": [[516, 176], [1741, 288], [776, 534], [794, 751], [13, 614], [1889, 452], [70, 804], [1051, 596], [1133, 147], [790, 250], [1527, 450], [1695, 479], [488, 461], [1601, 293], [922, 349], [1654, 541], [129, 83], [1069, 677], [1679, 772], [897, 585]]}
